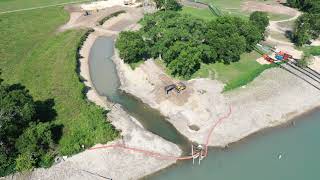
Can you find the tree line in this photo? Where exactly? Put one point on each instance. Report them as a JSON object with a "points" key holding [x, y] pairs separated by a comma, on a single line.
{"points": [[183, 42], [307, 26], [310, 6]]}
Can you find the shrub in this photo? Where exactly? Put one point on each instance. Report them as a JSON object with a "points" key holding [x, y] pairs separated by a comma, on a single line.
{"points": [[131, 46], [25, 162], [305, 61], [115, 14]]}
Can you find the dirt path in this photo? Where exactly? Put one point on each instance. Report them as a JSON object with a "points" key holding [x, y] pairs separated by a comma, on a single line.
{"points": [[274, 26], [288, 47]]}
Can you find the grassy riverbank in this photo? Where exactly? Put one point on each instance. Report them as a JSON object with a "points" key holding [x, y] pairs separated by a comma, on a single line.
{"points": [[34, 54], [236, 74]]}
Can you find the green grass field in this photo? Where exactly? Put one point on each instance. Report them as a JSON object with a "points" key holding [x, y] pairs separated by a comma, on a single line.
{"points": [[236, 74], [9, 5], [199, 13], [35, 55], [313, 50]]}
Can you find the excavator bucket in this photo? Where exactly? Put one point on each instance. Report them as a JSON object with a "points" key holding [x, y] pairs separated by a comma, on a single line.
{"points": [[180, 87]]}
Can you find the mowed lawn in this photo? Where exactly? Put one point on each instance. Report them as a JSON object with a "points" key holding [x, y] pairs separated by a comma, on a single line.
{"points": [[9, 5], [236, 74], [199, 13], [34, 54]]}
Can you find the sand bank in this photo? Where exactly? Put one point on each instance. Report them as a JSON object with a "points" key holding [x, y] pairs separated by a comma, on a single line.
{"points": [[272, 99]]}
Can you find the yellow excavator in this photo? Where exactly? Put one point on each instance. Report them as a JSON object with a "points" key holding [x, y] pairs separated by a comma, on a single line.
{"points": [[178, 87]]}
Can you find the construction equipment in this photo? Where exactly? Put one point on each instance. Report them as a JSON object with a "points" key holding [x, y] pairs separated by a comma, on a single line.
{"points": [[268, 58], [86, 13], [178, 87]]}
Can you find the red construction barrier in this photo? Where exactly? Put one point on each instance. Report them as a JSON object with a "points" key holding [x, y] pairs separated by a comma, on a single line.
{"points": [[168, 157]]}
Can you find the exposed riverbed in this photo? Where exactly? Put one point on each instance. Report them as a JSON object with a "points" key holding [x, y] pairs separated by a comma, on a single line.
{"points": [[255, 158], [105, 79]]}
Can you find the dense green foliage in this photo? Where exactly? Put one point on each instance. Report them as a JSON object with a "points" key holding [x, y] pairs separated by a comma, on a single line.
{"points": [[17, 109], [36, 142], [168, 5], [260, 19], [247, 78], [115, 14], [21, 134], [305, 61], [309, 6], [184, 42], [35, 55], [307, 27], [131, 51]]}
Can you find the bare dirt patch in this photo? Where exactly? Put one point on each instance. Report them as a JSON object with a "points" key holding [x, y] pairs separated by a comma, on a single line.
{"points": [[315, 64]]}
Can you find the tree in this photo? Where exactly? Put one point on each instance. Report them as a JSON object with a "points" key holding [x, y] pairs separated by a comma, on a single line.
{"points": [[208, 54], [131, 46], [307, 27], [295, 3], [17, 109], [187, 63], [23, 140], [231, 49], [309, 6], [260, 19], [168, 5], [183, 41], [6, 161], [305, 61], [36, 140], [25, 162]]}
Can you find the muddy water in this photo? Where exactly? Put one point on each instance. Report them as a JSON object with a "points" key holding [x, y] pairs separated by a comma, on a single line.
{"points": [[105, 80], [257, 158]]}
